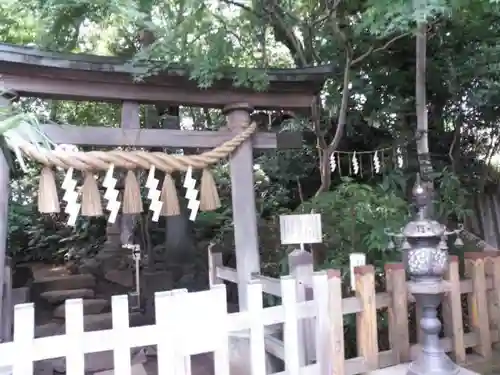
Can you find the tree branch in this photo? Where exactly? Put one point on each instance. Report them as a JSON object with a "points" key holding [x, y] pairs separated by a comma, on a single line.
{"points": [[379, 49], [282, 32]]}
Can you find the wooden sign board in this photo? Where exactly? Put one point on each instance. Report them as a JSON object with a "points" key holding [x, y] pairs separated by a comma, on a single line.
{"points": [[301, 229]]}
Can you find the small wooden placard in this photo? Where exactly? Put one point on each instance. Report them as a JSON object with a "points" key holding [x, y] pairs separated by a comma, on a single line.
{"points": [[301, 229]]}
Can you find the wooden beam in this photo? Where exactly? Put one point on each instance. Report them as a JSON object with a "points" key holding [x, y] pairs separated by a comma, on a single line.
{"points": [[77, 89], [244, 211], [105, 136]]}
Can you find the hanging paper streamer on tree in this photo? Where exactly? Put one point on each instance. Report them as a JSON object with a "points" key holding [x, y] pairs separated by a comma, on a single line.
{"points": [[355, 160]]}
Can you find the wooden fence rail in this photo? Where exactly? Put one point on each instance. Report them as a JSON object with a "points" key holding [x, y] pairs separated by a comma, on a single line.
{"points": [[475, 334]]}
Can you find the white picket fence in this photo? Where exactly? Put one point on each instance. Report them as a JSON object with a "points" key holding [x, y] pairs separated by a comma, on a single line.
{"points": [[186, 324]]}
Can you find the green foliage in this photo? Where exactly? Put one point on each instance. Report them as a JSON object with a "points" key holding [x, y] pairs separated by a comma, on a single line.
{"points": [[36, 237], [355, 218]]}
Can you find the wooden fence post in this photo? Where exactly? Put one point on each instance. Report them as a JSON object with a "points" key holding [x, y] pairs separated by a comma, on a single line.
{"points": [[8, 307], [214, 261], [398, 311], [366, 320], [492, 269], [452, 311], [301, 267], [336, 322], [478, 307]]}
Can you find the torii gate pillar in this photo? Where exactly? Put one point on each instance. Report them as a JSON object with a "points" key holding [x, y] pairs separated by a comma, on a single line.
{"points": [[243, 198], [5, 327]]}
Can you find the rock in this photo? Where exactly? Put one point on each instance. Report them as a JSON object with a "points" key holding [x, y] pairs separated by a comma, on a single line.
{"points": [[100, 362], [239, 355], [137, 369], [43, 368], [20, 295], [49, 329], [105, 321], [59, 296], [122, 277], [21, 276], [49, 283], [90, 306]]}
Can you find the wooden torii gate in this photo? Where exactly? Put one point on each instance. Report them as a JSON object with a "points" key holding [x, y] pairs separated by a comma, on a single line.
{"points": [[32, 73]]}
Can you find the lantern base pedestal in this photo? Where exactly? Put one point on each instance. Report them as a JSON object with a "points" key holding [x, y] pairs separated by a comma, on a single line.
{"points": [[405, 369], [435, 363]]}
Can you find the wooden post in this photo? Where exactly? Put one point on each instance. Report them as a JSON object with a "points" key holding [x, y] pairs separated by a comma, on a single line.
{"points": [[301, 267], [366, 320], [478, 307], [398, 311], [8, 306], [492, 269], [4, 214], [336, 322], [452, 311], [243, 198], [214, 261]]}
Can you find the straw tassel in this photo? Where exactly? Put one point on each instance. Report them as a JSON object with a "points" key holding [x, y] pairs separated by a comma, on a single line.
{"points": [[48, 200], [169, 197], [209, 197], [91, 199], [132, 200]]}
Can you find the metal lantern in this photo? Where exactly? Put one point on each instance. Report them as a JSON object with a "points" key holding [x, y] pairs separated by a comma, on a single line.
{"points": [[425, 253]]}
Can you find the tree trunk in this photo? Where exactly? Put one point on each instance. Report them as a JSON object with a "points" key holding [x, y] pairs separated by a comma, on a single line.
{"points": [[326, 152], [424, 159]]}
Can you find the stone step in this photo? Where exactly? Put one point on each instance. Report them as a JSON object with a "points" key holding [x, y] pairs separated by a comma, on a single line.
{"points": [[90, 307], [65, 282], [93, 322], [105, 321], [59, 296], [100, 362]]}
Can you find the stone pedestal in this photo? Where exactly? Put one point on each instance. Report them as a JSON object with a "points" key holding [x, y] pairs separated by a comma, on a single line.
{"points": [[403, 370]]}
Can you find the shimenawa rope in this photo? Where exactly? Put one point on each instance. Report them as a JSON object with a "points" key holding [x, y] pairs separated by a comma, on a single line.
{"points": [[101, 160]]}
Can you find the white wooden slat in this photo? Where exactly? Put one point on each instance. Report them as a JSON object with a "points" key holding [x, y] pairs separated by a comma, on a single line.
{"points": [[257, 344], [75, 357], [24, 331], [291, 331], [121, 352], [182, 360], [181, 330], [320, 282], [165, 331], [219, 318]]}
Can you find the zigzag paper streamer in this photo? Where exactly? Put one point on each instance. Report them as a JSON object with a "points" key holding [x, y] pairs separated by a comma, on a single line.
{"points": [[154, 194], [191, 194], [376, 162], [355, 164], [399, 158], [70, 197], [111, 194], [333, 162]]}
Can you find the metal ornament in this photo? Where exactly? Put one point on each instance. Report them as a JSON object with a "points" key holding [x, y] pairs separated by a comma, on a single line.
{"points": [[426, 258], [191, 194], [459, 242]]}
